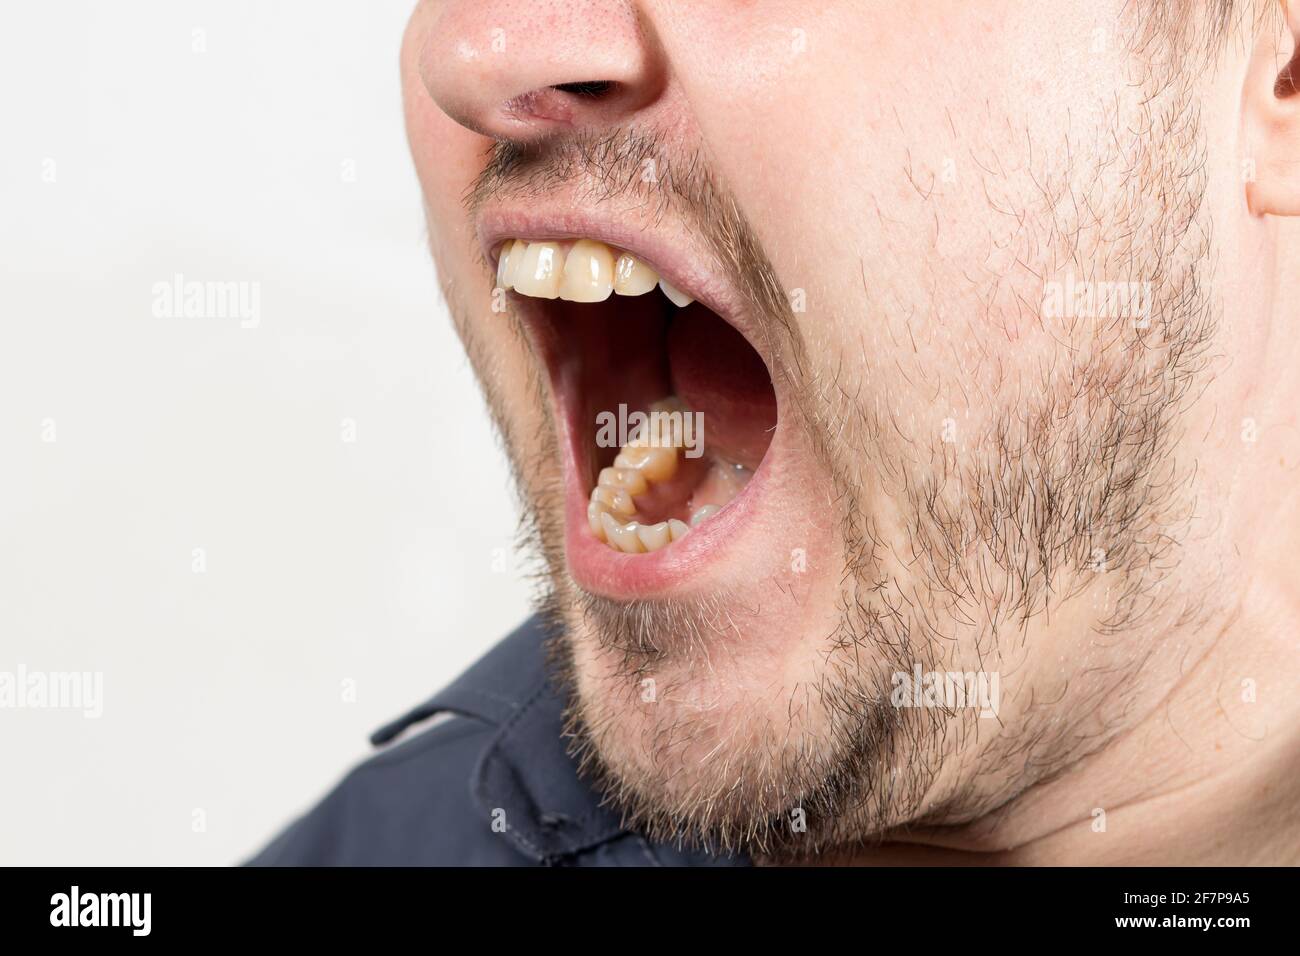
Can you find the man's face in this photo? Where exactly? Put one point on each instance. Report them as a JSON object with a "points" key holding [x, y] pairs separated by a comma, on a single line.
{"points": [[970, 244]]}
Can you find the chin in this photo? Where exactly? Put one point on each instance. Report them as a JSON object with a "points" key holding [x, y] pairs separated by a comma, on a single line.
{"points": [[712, 722]]}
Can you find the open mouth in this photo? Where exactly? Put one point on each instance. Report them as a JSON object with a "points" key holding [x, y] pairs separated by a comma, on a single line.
{"points": [[670, 411]]}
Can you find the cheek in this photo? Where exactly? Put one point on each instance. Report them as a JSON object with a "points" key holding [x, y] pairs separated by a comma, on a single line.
{"points": [[866, 162]]}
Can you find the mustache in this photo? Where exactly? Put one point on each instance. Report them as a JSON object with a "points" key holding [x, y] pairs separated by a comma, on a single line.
{"points": [[627, 164], [640, 166]]}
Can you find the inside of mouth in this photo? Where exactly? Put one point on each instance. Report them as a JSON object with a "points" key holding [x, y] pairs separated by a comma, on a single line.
{"points": [[679, 409]]}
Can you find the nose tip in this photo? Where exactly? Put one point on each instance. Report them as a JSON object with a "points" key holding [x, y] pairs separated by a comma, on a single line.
{"points": [[526, 69]]}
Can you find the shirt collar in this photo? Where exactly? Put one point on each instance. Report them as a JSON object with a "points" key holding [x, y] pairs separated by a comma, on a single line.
{"points": [[525, 777]]}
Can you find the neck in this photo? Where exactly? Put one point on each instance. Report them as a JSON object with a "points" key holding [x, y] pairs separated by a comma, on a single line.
{"points": [[1211, 776], [1210, 773]]}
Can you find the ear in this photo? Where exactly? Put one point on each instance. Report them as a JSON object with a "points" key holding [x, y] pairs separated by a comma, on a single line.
{"points": [[1271, 110]]}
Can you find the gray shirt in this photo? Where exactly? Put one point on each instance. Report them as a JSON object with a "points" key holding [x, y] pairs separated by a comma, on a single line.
{"points": [[489, 785]]}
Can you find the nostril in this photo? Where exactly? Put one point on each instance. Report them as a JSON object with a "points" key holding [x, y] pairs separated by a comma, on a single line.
{"points": [[590, 88], [565, 103]]}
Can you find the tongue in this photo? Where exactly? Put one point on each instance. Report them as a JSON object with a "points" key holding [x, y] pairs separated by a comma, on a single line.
{"points": [[716, 372]]}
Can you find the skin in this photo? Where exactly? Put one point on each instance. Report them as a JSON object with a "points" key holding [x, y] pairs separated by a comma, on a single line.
{"points": [[1101, 511]]}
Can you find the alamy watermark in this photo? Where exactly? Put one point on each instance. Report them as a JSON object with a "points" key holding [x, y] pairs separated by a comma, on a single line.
{"points": [[129, 910], [676, 428], [53, 690], [1084, 299], [183, 298], [949, 689]]}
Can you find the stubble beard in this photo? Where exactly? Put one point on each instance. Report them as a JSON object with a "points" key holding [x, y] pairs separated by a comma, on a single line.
{"points": [[1001, 537]]}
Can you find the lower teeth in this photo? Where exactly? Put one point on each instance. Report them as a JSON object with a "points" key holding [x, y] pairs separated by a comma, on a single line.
{"points": [[645, 461], [704, 514]]}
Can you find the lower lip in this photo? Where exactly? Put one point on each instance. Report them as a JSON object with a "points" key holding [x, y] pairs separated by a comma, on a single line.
{"points": [[600, 569]]}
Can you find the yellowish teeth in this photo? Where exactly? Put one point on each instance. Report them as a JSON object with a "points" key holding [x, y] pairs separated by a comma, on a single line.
{"points": [[632, 276], [505, 263], [515, 267], [654, 536], [594, 511], [656, 464], [539, 271], [675, 296], [622, 536], [613, 499], [629, 479], [590, 271], [650, 456]]}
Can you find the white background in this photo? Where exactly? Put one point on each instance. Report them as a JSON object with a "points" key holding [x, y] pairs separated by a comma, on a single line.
{"points": [[327, 562]]}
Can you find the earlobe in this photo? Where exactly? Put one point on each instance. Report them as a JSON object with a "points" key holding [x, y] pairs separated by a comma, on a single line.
{"points": [[1271, 106]]}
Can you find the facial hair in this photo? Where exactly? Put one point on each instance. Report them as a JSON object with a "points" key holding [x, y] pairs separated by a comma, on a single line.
{"points": [[998, 537]]}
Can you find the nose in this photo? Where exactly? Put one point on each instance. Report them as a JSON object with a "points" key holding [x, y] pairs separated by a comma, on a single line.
{"points": [[527, 70]]}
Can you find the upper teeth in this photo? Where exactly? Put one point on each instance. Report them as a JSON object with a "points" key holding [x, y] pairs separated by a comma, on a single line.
{"points": [[587, 272]]}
